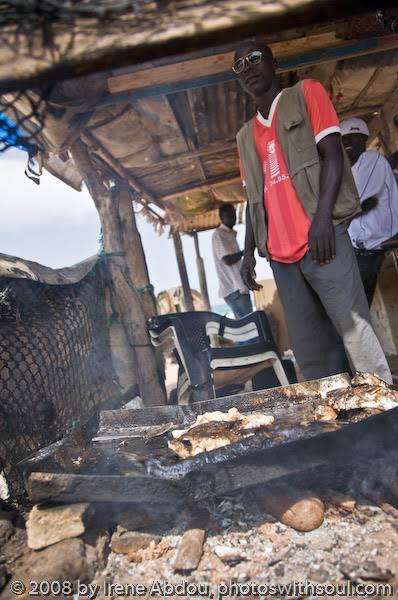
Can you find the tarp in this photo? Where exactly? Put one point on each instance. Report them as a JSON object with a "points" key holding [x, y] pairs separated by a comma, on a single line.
{"points": [[11, 266]]}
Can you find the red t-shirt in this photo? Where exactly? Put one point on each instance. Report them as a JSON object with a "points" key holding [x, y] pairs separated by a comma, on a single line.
{"points": [[288, 223]]}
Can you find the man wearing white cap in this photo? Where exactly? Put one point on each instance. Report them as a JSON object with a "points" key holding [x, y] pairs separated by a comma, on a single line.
{"points": [[378, 194]]}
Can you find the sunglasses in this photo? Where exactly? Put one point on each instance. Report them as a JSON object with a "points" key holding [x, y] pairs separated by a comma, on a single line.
{"points": [[253, 58]]}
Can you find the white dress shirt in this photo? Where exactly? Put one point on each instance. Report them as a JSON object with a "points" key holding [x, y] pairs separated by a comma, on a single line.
{"points": [[374, 178], [224, 243]]}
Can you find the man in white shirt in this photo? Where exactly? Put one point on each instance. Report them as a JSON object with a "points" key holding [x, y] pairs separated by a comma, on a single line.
{"points": [[378, 194], [227, 259]]}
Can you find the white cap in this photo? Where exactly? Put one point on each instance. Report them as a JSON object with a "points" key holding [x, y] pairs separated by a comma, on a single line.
{"points": [[354, 126]]}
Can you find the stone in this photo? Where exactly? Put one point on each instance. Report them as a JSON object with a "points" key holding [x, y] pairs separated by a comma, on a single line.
{"points": [[64, 561], [142, 517], [3, 577], [190, 550], [135, 403], [4, 489], [279, 569], [130, 541], [340, 501], [151, 552], [7, 514], [299, 509], [49, 525], [229, 555], [6, 530]]}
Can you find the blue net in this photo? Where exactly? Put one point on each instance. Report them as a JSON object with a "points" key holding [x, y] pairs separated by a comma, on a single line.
{"points": [[11, 136]]}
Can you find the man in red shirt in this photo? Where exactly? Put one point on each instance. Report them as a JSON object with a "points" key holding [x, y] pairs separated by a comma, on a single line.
{"points": [[310, 252]]}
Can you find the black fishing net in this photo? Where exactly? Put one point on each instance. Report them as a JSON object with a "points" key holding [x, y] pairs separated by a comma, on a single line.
{"points": [[22, 129], [55, 363], [45, 32]]}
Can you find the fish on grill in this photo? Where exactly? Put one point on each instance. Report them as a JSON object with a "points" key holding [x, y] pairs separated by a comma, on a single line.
{"points": [[367, 391], [216, 429]]}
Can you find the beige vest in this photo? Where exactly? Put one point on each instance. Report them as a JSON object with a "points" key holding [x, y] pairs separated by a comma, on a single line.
{"points": [[303, 161]]}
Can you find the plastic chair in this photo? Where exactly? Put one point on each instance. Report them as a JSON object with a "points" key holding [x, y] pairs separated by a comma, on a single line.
{"points": [[189, 335]]}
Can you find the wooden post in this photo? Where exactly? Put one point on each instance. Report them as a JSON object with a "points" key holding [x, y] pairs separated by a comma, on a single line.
{"points": [[135, 256], [201, 272], [132, 245], [182, 268], [126, 299]]}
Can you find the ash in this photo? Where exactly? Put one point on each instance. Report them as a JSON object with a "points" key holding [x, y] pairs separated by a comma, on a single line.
{"points": [[243, 545]]}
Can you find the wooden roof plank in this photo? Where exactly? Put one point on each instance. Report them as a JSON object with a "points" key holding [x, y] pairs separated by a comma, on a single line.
{"points": [[340, 52], [216, 63], [157, 32], [201, 188], [181, 109], [93, 142]]}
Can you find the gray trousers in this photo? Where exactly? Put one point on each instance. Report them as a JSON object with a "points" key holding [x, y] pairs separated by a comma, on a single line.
{"points": [[240, 304], [324, 305]]}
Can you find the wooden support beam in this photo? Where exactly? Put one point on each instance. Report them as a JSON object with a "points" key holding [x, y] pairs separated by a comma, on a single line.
{"points": [[285, 53], [215, 148], [135, 256], [321, 55], [137, 36], [201, 188], [182, 269], [134, 249], [125, 296], [96, 145], [201, 272], [184, 118]]}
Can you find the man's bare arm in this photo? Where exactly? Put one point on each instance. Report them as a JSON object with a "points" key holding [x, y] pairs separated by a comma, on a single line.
{"points": [[249, 262], [231, 259], [369, 204], [321, 234]]}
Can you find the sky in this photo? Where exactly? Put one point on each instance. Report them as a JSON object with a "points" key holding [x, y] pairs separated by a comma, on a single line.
{"points": [[56, 226]]}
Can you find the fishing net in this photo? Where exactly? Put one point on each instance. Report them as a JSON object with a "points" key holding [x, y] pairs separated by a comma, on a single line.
{"points": [[55, 362]]}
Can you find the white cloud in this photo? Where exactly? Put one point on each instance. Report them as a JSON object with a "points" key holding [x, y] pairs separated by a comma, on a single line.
{"points": [[25, 204], [56, 226], [48, 223]]}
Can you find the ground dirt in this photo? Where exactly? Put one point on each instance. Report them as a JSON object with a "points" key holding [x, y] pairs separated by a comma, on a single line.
{"points": [[360, 547]]}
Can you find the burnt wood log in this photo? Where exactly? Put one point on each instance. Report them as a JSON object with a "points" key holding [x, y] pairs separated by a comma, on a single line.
{"points": [[290, 397], [289, 405], [355, 444], [240, 465], [102, 488]]}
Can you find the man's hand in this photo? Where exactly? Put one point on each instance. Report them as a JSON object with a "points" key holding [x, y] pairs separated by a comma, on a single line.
{"points": [[321, 239], [248, 273], [231, 259]]}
